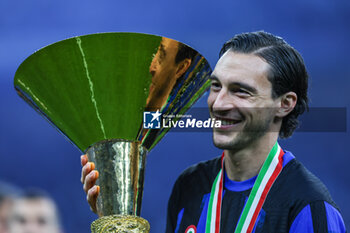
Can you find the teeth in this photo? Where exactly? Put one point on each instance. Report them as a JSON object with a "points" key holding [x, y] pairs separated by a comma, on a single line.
{"points": [[225, 122]]}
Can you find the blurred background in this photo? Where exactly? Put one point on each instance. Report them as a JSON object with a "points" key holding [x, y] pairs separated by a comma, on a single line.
{"points": [[34, 154]]}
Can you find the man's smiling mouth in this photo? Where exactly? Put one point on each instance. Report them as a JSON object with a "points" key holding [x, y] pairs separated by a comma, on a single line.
{"points": [[229, 122]]}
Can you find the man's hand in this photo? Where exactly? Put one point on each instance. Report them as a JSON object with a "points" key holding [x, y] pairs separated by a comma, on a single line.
{"points": [[88, 179]]}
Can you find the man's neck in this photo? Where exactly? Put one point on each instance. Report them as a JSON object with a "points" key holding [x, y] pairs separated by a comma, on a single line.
{"points": [[246, 163]]}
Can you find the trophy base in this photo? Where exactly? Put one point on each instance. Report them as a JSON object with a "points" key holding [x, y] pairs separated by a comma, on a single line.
{"points": [[120, 224]]}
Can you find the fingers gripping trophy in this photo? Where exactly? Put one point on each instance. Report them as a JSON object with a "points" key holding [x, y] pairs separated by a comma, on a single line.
{"points": [[97, 91]]}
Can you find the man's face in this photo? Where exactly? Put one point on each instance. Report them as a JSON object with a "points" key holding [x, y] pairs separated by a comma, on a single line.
{"points": [[33, 216], [163, 70], [241, 97]]}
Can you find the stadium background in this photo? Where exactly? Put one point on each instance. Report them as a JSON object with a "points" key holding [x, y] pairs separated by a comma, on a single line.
{"points": [[34, 154]]}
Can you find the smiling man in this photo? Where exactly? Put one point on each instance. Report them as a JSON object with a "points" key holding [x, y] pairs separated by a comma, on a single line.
{"points": [[259, 87], [258, 90]]}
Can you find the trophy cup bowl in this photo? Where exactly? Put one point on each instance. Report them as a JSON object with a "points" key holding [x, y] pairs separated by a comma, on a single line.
{"points": [[96, 89]]}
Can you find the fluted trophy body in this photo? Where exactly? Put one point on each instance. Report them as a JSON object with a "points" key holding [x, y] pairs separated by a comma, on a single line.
{"points": [[96, 89], [122, 168]]}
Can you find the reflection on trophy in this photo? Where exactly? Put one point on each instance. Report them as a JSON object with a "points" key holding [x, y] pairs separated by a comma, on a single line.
{"points": [[169, 64], [95, 89]]}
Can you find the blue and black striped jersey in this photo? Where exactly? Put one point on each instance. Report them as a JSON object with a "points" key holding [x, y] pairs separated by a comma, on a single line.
{"points": [[297, 202]]}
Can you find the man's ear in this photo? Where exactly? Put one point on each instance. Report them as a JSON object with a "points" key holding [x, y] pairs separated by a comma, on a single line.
{"points": [[287, 104], [182, 67]]}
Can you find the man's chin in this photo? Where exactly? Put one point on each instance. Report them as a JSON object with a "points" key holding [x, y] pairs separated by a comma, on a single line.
{"points": [[229, 142], [229, 146], [223, 144]]}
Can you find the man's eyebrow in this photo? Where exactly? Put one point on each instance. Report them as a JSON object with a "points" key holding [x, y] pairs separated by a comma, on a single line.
{"points": [[236, 84], [213, 77], [245, 86]]}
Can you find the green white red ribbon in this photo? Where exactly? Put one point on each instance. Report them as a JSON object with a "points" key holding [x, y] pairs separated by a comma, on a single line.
{"points": [[269, 172]]}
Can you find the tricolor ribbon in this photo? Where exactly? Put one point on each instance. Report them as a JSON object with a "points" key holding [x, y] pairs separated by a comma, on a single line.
{"points": [[269, 172]]}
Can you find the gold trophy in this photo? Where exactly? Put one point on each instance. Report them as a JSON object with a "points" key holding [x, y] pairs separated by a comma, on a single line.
{"points": [[106, 94], [121, 164]]}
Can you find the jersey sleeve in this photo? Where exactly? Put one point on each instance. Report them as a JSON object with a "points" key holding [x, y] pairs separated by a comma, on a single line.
{"points": [[318, 217]]}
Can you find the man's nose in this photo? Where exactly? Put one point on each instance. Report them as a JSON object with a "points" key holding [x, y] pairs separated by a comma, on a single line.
{"points": [[32, 228], [222, 101], [153, 67]]}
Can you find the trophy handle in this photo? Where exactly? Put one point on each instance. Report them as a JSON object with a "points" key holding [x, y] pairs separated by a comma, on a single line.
{"points": [[121, 165]]}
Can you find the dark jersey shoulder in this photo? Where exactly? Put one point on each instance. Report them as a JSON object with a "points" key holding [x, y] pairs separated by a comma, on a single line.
{"points": [[188, 191], [297, 183], [295, 188], [200, 176]]}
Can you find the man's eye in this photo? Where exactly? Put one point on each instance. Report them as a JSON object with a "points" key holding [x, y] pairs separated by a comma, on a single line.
{"points": [[241, 92], [215, 85], [20, 220], [161, 55], [42, 221]]}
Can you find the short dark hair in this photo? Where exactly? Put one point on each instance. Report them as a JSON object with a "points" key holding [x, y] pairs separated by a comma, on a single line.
{"points": [[35, 193], [287, 73], [8, 190], [184, 52]]}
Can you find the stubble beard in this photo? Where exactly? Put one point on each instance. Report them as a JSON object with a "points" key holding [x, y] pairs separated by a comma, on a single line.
{"points": [[245, 137]]}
